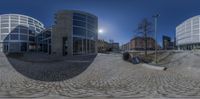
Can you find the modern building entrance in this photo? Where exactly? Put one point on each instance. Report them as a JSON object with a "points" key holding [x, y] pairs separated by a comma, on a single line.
{"points": [[65, 46]]}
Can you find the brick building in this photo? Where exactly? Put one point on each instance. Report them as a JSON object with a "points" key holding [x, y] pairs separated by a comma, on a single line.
{"points": [[138, 43]]}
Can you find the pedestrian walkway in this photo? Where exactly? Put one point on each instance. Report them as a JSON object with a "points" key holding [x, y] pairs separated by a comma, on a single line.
{"points": [[108, 76]]}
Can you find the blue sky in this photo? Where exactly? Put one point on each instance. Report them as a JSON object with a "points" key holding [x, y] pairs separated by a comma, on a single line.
{"points": [[118, 18]]}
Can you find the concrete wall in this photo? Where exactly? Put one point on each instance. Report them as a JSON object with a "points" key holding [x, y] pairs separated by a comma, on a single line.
{"points": [[1, 47], [62, 28]]}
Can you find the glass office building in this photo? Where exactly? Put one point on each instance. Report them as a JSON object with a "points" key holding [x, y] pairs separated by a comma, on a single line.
{"points": [[188, 34], [74, 33], [84, 33], [18, 32], [43, 40]]}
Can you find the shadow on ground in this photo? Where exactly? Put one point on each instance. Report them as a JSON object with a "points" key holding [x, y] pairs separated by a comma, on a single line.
{"points": [[44, 67]]}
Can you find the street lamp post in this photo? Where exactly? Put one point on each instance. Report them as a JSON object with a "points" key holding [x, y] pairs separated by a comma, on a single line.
{"points": [[156, 19]]}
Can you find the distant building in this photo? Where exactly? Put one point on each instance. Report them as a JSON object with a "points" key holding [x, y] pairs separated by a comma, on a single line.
{"points": [[167, 43], [115, 46], [125, 47], [102, 46], [138, 43], [188, 34]]}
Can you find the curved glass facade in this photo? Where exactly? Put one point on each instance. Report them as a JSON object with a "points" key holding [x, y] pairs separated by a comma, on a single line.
{"points": [[84, 33], [18, 32]]}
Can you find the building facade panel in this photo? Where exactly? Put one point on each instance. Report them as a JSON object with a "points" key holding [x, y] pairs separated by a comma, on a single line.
{"points": [[188, 34]]}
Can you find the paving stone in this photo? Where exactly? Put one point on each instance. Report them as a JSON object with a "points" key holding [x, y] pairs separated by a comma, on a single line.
{"points": [[107, 76]]}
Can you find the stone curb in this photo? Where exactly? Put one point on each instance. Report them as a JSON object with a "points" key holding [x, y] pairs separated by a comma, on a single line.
{"points": [[154, 67]]}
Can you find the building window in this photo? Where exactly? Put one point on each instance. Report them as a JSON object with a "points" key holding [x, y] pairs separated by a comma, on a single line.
{"points": [[79, 31], [5, 21], [78, 16], [23, 31], [92, 46], [88, 46], [4, 17], [14, 47], [38, 30], [90, 35], [65, 46], [23, 22], [91, 27], [79, 23], [4, 25], [30, 21], [35, 22], [31, 32], [15, 30], [23, 37], [31, 38], [77, 45], [23, 18], [4, 37], [23, 47], [84, 46], [91, 20], [14, 21], [4, 31], [31, 28], [14, 36], [14, 17], [14, 25]]}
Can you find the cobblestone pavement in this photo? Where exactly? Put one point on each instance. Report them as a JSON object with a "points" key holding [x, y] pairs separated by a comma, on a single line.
{"points": [[108, 76], [45, 68]]}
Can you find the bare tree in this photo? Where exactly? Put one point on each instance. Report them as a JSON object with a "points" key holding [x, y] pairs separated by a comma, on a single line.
{"points": [[145, 28]]}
